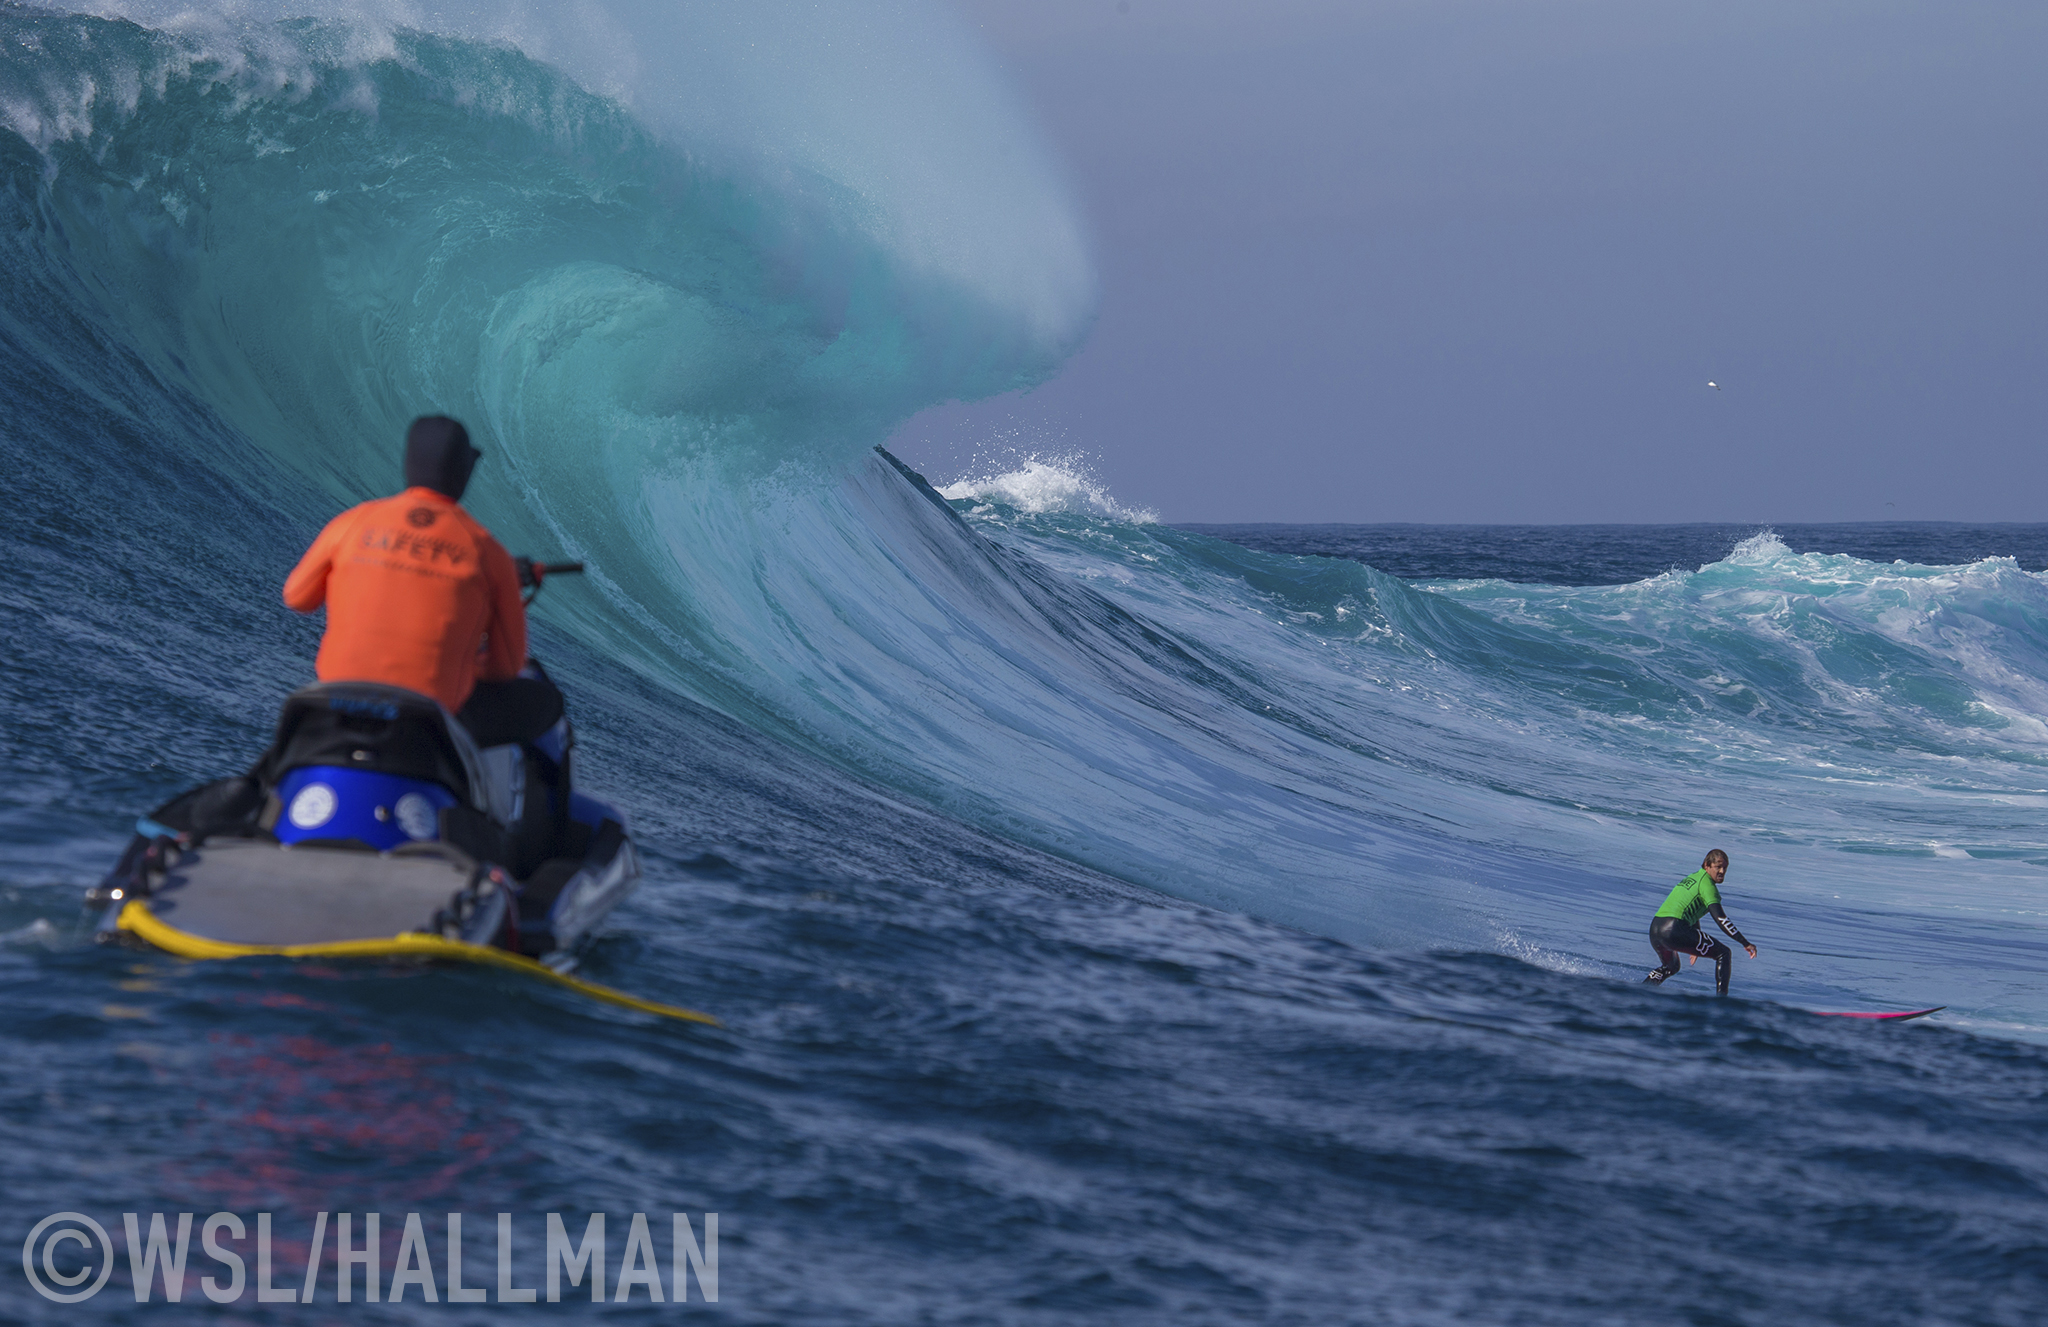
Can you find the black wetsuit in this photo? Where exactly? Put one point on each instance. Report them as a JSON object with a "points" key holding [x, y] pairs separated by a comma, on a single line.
{"points": [[1675, 930], [1673, 939]]}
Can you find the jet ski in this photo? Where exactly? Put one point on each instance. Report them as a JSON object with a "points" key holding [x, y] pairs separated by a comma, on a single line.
{"points": [[375, 824]]}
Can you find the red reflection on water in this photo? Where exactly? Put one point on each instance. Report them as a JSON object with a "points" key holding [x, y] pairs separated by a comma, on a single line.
{"points": [[297, 1125], [313, 1121], [294, 1122], [282, 1000]]}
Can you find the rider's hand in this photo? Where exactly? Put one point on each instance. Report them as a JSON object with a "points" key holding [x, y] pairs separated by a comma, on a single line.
{"points": [[1751, 949]]}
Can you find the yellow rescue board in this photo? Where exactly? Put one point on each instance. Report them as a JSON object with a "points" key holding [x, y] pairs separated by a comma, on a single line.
{"points": [[138, 920]]}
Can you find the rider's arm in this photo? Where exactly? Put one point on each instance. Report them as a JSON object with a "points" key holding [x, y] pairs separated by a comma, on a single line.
{"points": [[505, 649], [306, 588], [1728, 926]]}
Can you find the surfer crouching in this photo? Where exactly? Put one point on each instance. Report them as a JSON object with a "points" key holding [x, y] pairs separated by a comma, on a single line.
{"points": [[1675, 930]]}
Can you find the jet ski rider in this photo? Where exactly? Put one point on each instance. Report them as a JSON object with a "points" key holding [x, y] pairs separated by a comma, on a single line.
{"points": [[419, 595], [1676, 928]]}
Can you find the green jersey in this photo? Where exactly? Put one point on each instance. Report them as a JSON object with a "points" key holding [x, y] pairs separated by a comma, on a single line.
{"points": [[1691, 899]]}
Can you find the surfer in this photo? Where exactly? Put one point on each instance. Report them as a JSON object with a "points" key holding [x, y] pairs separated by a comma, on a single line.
{"points": [[1676, 930], [419, 595]]}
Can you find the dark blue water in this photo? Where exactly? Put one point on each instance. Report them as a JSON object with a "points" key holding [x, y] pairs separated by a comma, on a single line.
{"points": [[973, 832]]}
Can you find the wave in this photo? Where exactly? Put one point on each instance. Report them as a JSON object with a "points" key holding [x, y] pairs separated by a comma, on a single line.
{"points": [[683, 270], [1862, 736]]}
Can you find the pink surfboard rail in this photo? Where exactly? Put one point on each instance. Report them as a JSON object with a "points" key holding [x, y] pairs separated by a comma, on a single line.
{"points": [[1853, 1013]]}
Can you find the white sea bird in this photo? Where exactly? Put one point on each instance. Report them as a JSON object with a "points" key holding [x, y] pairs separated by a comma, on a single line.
{"points": [[1715, 385]]}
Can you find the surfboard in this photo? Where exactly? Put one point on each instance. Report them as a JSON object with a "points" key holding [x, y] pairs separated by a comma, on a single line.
{"points": [[1887, 1018]]}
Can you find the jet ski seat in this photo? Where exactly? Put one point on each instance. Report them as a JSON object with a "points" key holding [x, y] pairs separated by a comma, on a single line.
{"points": [[369, 726]]}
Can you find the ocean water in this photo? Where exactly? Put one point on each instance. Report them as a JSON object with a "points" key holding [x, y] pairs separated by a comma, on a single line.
{"points": [[1589, 555], [1109, 922]]}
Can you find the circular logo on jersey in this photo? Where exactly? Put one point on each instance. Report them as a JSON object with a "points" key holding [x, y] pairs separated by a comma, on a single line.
{"points": [[314, 806], [422, 517], [416, 817]]}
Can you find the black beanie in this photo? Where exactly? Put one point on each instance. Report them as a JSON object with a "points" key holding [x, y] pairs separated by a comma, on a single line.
{"points": [[438, 456]]}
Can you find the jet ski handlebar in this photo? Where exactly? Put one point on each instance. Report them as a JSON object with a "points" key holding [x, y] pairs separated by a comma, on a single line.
{"points": [[532, 574]]}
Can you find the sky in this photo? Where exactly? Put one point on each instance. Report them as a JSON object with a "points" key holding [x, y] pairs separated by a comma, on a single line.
{"points": [[1478, 260]]}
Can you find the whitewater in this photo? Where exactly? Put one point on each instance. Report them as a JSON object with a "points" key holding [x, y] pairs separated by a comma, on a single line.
{"points": [[1109, 920]]}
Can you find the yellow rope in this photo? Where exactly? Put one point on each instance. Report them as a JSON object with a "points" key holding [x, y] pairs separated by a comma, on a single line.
{"points": [[138, 919]]}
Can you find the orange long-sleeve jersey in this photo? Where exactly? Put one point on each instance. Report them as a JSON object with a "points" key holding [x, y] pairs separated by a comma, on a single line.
{"points": [[418, 594]]}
